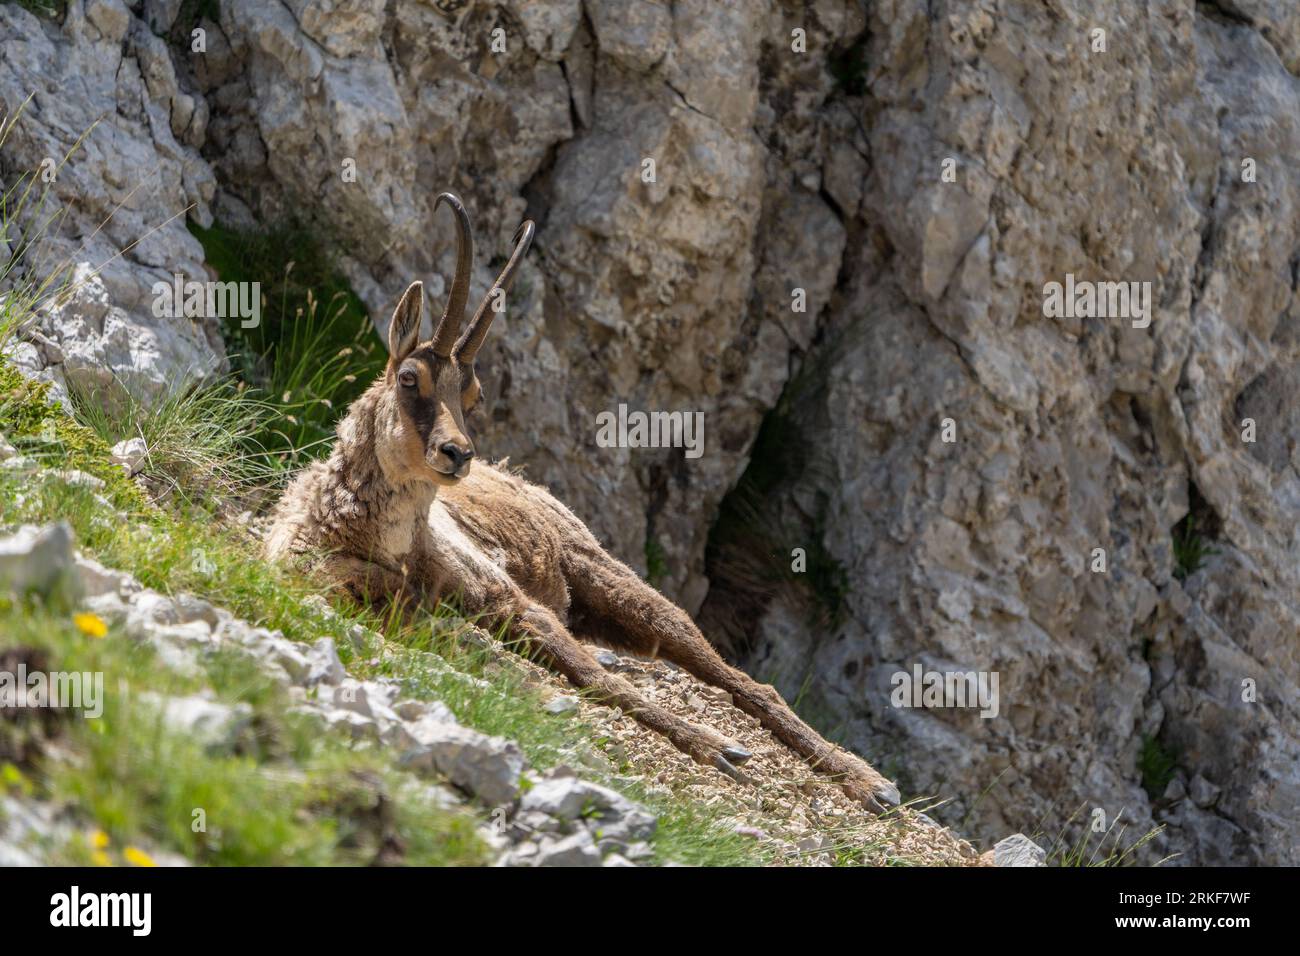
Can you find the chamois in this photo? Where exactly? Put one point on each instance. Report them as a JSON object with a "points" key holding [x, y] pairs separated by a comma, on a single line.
{"points": [[396, 512]]}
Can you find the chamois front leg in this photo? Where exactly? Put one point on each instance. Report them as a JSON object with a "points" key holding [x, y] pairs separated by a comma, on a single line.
{"points": [[371, 584], [541, 633]]}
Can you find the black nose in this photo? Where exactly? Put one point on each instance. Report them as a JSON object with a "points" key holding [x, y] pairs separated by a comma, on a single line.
{"points": [[457, 454]]}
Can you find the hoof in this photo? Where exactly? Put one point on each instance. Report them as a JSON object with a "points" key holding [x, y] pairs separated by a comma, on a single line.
{"points": [[878, 797], [736, 755], [887, 794], [730, 769]]}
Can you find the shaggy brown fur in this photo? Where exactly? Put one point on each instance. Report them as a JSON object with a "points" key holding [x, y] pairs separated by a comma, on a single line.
{"points": [[396, 511]]}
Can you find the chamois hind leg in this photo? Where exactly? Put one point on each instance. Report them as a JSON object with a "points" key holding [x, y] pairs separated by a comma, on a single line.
{"points": [[541, 633], [621, 608]]}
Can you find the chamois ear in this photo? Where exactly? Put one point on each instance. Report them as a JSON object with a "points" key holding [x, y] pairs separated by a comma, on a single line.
{"points": [[404, 329]]}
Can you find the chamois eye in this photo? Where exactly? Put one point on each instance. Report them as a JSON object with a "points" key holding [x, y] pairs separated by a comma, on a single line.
{"points": [[407, 378]]}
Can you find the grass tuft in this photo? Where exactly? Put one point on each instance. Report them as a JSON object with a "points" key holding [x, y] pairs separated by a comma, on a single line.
{"points": [[315, 349], [1190, 549], [1157, 764], [1110, 848], [202, 441]]}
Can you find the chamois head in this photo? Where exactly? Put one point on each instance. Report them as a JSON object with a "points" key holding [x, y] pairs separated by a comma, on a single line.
{"points": [[430, 386]]}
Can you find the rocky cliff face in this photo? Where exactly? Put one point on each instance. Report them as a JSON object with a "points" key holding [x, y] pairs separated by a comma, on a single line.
{"points": [[912, 175]]}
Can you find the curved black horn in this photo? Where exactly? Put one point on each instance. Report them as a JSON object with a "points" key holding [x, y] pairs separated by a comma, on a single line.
{"points": [[468, 345], [445, 334]]}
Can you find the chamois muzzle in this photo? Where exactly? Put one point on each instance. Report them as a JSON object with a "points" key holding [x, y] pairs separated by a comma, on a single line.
{"points": [[459, 456]]}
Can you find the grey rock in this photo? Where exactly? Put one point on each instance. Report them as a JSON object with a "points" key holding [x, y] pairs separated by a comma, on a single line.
{"points": [[149, 609], [639, 851], [369, 698], [36, 559], [561, 704], [360, 637], [488, 767], [130, 454], [413, 710], [577, 849], [1018, 850], [97, 580], [348, 723], [1203, 793], [571, 799], [274, 648], [548, 25], [634, 32], [109, 605], [197, 633], [19, 463], [326, 668], [188, 608], [211, 723]]}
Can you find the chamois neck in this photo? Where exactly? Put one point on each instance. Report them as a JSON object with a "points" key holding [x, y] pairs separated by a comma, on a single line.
{"points": [[356, 469]]}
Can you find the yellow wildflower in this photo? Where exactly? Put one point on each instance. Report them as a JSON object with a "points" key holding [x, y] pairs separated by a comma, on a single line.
{"points": [[137, 857], [92, 625]]}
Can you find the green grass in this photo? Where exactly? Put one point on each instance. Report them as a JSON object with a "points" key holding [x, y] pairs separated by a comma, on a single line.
{"points": [[1190, 548], [1157, 764], [1105, 848], [315, 349], [285, 795], [47, 9], [41, 432], [656, 562], [203, 440]]}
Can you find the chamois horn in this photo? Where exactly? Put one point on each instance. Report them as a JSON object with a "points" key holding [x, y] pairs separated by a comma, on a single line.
{"points": [[468, 345], [445, 334]]}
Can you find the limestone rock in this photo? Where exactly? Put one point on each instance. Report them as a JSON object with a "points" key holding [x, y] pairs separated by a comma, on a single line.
{"points": [[130, 454], [1018, 850], [488, 767], [36, 559]]}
